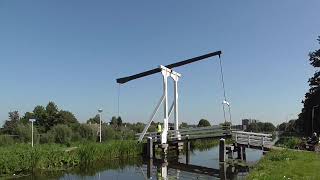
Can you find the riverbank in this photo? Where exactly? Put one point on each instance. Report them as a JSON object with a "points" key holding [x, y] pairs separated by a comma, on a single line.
{"points": [[20, 159], [287, 164], [23, 159]]}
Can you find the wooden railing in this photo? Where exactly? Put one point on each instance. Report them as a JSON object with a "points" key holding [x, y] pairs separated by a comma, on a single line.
{"points": [[191, 133], [252, 139]]}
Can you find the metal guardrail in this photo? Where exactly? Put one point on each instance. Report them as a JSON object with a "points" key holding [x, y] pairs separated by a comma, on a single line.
{"points": [[252, 139]]}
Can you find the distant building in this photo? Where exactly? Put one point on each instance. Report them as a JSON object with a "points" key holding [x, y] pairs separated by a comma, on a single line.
{"points": [[247, 122]]}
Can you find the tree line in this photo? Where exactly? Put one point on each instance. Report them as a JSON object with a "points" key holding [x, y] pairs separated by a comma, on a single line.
{"points": [[54, 125], [309, 119]]}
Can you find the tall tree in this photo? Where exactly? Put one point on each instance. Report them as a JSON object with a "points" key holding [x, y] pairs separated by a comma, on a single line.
{"points": [[309, 119], [94, 120], [41, 116], [52, 113], [27, 116], [11, 124], [66, 117], [119, 121], [114, 121], [203, 123]]}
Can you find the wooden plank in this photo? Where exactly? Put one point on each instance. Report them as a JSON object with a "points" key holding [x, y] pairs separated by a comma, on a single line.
{"points": [[251, 133]]}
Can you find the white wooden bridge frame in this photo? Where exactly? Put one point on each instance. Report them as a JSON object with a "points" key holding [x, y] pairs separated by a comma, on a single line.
{"points": [[166, 72]]}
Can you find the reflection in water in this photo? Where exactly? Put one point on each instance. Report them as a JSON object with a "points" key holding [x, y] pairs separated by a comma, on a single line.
{"points": [[195, 165], [225, 171]]}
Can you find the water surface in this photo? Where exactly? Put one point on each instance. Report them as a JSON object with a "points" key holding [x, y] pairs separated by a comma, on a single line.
{"points": [[200, 165]]}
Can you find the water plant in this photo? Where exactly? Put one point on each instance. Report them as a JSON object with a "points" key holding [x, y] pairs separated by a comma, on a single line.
{"points": [[22, 158]]}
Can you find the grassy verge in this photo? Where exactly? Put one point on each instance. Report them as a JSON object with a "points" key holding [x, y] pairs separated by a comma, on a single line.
{"points": [[21, 158], [287, 164]]}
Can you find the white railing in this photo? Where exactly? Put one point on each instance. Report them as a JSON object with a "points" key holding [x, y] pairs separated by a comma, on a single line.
{"points": [[252, 139], [191, 133]]}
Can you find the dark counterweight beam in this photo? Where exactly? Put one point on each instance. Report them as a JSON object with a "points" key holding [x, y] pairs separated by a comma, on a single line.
{"points": [[170, 66]]}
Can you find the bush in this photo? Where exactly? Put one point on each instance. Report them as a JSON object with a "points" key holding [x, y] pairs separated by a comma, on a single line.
{"points": [[108, 133], [47, 138], [24, 132], [62, 134], [293, 142], [6, 140], [288, 142], [87, 132], [76, 137]]}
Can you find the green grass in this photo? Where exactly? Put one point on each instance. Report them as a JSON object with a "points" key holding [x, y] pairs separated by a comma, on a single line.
{"points": [[205, 144], [23, 159], [287, 164]]}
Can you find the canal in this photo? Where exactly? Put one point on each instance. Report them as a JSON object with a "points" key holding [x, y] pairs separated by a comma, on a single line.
{"points": [[201, 164]]}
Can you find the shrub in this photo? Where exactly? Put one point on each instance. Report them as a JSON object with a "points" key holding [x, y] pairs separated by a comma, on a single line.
{"points": [[6, 140], [108, 133], [47, 138], [62, 134], [87, 132], [76, 137], [24, 132], [293, 142], [288, 142]]}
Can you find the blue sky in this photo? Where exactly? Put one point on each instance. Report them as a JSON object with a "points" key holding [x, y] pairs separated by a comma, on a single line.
{"points": [[71, 52]]}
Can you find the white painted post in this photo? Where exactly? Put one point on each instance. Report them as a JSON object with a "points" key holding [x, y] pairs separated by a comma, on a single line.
{"points": [[32, 120], [32, 134], [176, 105], [175, 76], [165, 75]]}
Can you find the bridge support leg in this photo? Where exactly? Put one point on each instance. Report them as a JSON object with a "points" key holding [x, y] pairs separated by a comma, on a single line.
{"points": [[241, 152], [179, 147], [244, 153], [223, 171], [222, 150], [149, 168], [149, 148], [188, 148]]}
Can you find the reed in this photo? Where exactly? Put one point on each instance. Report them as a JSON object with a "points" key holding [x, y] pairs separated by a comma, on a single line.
{"points": [[22, 158]]}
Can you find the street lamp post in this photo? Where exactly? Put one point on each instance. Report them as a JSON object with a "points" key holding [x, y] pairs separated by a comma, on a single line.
{"points": [[32, 120], [312, 116], [100, 111]]}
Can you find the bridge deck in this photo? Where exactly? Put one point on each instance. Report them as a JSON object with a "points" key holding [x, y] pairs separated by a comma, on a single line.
{"points": [[247, 139], [253, 140], [191, 134]]}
